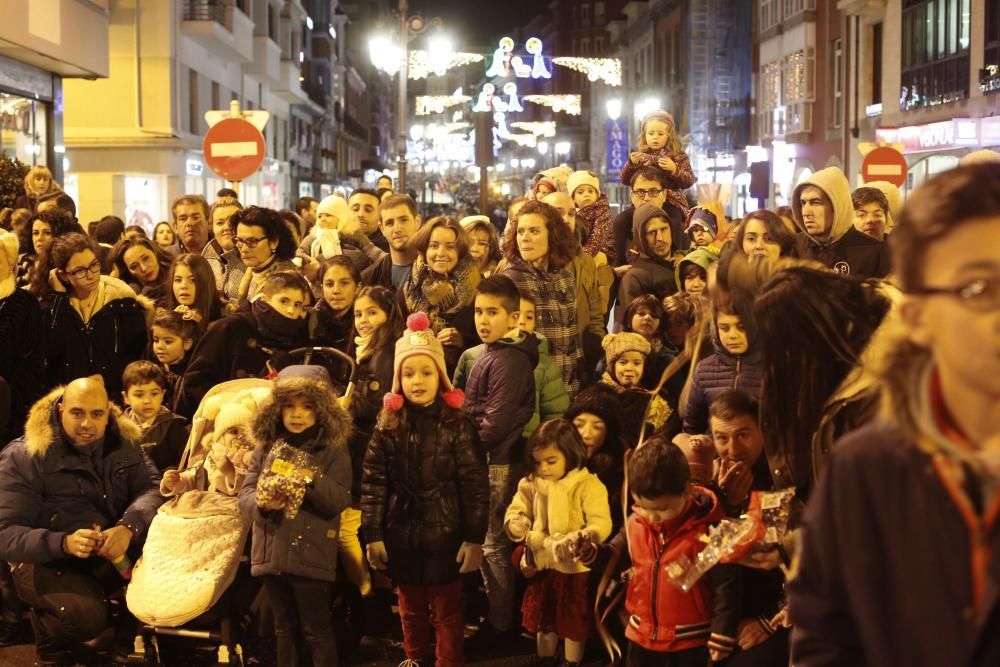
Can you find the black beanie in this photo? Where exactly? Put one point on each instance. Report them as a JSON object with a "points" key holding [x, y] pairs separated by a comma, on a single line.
{"points": [[602, 401]]}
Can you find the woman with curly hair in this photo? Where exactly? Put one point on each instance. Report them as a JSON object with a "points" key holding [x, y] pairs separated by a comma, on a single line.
{"points": [[265, 245], [539, 251], [443, 285]]}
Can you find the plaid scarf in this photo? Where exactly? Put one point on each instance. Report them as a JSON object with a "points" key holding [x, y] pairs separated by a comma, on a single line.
{"points": [[437, 296]]}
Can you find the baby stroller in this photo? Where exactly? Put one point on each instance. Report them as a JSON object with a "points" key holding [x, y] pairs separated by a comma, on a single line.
{"points": [[193, 583]]}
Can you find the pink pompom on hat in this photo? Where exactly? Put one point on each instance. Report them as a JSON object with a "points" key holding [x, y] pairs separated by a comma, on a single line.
{"points": [[418, 339]]}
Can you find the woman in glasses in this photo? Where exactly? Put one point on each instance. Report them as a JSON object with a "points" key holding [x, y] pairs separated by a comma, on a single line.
{"points": [[265, 245], [95, 324]]}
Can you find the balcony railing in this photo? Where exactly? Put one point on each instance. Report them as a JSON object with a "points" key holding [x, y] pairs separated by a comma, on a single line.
{"points": [[205, 10]]}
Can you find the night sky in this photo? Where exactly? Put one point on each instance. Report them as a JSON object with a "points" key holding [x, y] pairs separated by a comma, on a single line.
{"points": [[477, 21]]}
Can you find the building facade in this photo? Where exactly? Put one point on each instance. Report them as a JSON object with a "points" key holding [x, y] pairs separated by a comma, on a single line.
{"points": [[134, 140], [39, 50]]}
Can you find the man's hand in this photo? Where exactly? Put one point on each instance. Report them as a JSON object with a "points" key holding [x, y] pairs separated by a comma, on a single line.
{"points": [[82, 543], [470, 557], [781, 620], [450, 337], [378, 558], [116, 541], [666, 164], [751, 633], [766, 559], [735, 480]]}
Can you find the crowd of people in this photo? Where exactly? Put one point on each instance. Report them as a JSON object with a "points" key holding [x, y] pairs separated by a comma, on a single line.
{"points": [[567, 407]]}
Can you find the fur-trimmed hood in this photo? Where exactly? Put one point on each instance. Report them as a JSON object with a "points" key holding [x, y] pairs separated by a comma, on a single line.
{"points": [[42, 428], [333, 419]]}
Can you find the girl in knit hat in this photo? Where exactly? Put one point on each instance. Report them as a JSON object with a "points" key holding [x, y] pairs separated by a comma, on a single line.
{"points": [[425, 496], [625, 355], [557, 505], [659, 147]]}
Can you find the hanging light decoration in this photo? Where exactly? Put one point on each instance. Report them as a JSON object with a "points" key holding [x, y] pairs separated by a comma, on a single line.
{"points": [[424, 63], [431, 104], [539, 129], [568, 103], [608, 70]]}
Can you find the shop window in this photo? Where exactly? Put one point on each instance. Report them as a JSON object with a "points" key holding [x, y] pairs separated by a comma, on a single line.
{"points": [[23, 129], [935, 52]]}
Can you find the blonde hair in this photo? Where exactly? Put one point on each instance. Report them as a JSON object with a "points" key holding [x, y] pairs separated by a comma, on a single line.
{"points": [[673, 144], [29, 181], [9, 243]]}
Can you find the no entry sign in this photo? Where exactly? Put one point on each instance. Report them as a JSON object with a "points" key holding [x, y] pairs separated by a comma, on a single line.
{"points": [[884, 164], [234, 148]]}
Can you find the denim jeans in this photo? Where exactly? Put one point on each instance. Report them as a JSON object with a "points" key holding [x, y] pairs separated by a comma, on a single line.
{"points": [[303, 621], [498, 572]]}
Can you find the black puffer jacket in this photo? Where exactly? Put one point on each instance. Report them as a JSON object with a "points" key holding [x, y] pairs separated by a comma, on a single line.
{"points": [[307, 544], [425, 491], [373, 380], [115, 336]]}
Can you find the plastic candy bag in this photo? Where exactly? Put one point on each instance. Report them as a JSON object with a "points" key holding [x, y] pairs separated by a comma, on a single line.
{"points": [[286, 471], [766, 522]]}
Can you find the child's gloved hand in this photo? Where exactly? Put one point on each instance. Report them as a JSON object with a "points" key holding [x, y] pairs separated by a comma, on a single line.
{"points": [[469, 557], [518, 527], [378, 558]]}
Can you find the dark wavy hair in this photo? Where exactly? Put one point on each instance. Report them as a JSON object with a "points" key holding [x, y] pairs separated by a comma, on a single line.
{"points": [[62, 250], [774, 227], [812, 326], [494, 254], [206, 294], [57, 219], [62, 224], [562, 242], [650, 303], [126, 244], [273, 225]]}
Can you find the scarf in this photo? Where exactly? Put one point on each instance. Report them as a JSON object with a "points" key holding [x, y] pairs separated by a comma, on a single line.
{"points": [[361, 344], [327, 242], [275, 327], [439, 295]]}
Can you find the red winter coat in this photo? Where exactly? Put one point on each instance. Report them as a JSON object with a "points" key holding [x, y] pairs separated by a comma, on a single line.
{"points": [[662, 617]]}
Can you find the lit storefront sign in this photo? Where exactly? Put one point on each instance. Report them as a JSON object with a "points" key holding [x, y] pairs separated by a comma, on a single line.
{"points": [[944, 135]]}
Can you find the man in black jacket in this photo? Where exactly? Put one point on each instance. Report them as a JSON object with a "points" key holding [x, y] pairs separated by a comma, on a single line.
{"points": [[76, 497]]}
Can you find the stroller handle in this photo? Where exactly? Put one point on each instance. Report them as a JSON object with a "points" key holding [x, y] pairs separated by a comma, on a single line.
{"points": [[308, 352]]}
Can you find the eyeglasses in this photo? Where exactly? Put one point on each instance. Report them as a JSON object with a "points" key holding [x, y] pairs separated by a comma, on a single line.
{"points": [[652, 193], [83, 271], [981, 295], [250, 242]]}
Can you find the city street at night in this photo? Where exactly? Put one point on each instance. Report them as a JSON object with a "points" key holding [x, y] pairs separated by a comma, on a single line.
{"points": [[548, 333]]}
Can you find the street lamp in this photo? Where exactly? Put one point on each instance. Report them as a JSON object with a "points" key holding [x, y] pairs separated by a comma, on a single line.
{"points": [[614, 108], [648, 105], [392, 55], [563, 148], [416, 132]]}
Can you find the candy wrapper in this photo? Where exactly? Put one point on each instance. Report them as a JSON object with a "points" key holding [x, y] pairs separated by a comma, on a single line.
{"points": [[284, 473], [766, 522]]}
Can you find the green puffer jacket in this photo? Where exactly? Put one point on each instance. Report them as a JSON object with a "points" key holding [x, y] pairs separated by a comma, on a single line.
{"points": [[551, 399]]}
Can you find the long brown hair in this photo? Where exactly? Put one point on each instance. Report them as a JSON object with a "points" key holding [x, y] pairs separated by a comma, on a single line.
{"points": [[386, 300], [126, 244], [206, 295], [562, 242]]}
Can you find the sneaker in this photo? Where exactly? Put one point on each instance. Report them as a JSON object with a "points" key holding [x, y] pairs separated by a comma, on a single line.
{"points": [[413, 663]]}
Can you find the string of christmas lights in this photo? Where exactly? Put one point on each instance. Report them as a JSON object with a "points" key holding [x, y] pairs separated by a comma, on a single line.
{"points": [[608, 70], [423, 63], [539, 129], [567, 103]]}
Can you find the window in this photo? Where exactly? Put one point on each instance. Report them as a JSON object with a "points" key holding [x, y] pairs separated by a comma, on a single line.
{"points": [[877, 63], [585, 46], [992, 43], [585, 16], [837, 83], [793, 7], [769, 14], [194, 118], [935, 52], [770, 100], [599, 45], [797, 77], [599, 14], [272, 23], [215, 95]]}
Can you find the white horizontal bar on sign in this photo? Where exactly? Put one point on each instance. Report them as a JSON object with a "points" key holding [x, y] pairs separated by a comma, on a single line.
{"points": [[233, 149], [885, 170]]}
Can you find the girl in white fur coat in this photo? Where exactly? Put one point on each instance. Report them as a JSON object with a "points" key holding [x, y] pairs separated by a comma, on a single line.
{"points": [[557, 506]]}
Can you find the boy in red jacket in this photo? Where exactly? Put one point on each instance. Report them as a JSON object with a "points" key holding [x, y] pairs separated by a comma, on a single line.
{"points": [[666, 626]]}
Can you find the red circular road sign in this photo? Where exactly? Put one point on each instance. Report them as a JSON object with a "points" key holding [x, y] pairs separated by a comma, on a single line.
{"points": [[234, 148], [884, 164]]}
